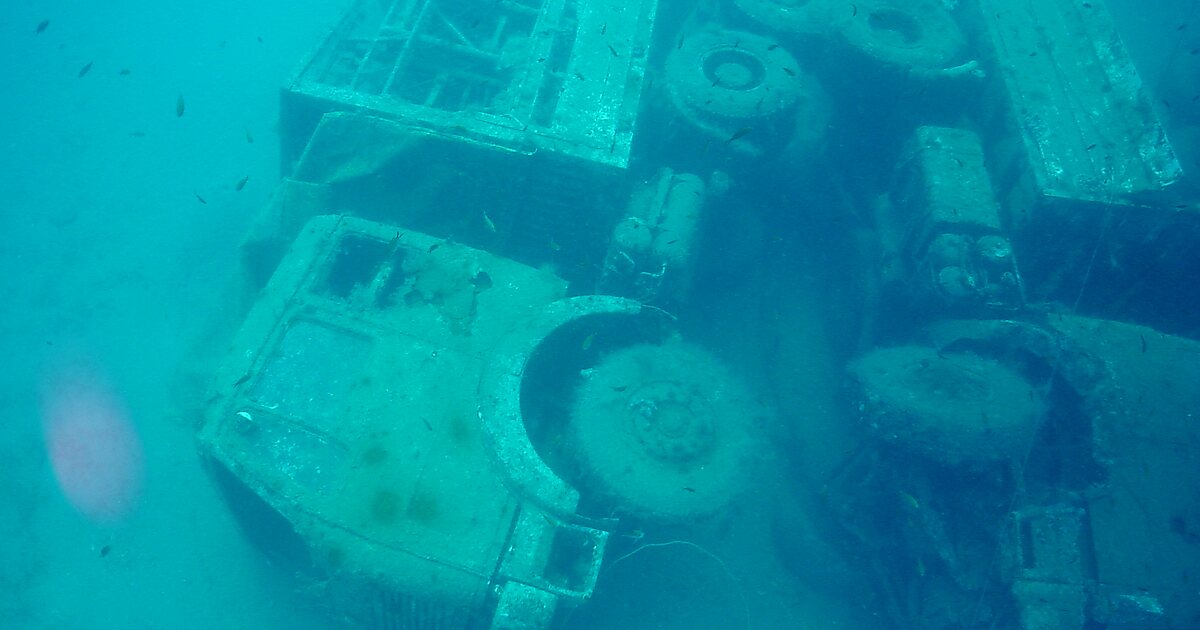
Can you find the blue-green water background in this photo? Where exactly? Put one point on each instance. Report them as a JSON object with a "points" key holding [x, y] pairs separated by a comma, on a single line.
{"points": [[106, 256]]}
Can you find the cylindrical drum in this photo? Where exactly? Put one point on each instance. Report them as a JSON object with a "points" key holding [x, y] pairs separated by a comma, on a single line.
{"points": [[909, 37], [664, 432], [741, 91], [952, 407]]}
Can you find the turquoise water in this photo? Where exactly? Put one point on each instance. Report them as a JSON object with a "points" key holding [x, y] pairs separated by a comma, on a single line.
{"points": [[112, 262], [140, 140]]}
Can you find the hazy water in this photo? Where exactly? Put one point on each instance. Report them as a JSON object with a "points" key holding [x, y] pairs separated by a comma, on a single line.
{"points": [[110, 261]]}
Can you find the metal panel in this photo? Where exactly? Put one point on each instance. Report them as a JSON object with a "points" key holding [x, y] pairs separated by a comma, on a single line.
{"points": [[1086, 125], [559, 75], [348, 404], [1084, 170]]}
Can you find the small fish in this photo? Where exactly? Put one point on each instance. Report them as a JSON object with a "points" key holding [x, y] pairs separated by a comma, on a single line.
{"points": [[853, 10], [427, 425], [259, 38], [604, 28], [137, 134], [672, 241], [1143, 337], [789, 71], [1090, 147], [87, 67], [772, 47], [105, 550], [689, 489], [613, 50], [433, 247], [619, 388], [241, 183], [242, 379], [580, 77], [180, 106], [249, 137], [554, 246], [680, 44], [587, 342], [42, 26], [487, 221], [909, 500], [739, 134], [199, 198], [124, 72], [1033, 54]]}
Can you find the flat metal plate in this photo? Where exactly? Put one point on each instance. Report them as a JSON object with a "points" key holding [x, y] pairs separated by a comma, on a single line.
{"points": [[1087, 126], [560, 75], [348, 402]]}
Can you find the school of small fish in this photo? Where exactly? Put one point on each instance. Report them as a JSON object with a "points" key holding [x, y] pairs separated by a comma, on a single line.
{"points": [[180, 108]]}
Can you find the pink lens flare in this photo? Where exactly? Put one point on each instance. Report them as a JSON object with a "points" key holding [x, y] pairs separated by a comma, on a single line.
{"points": [[93, 447]]}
